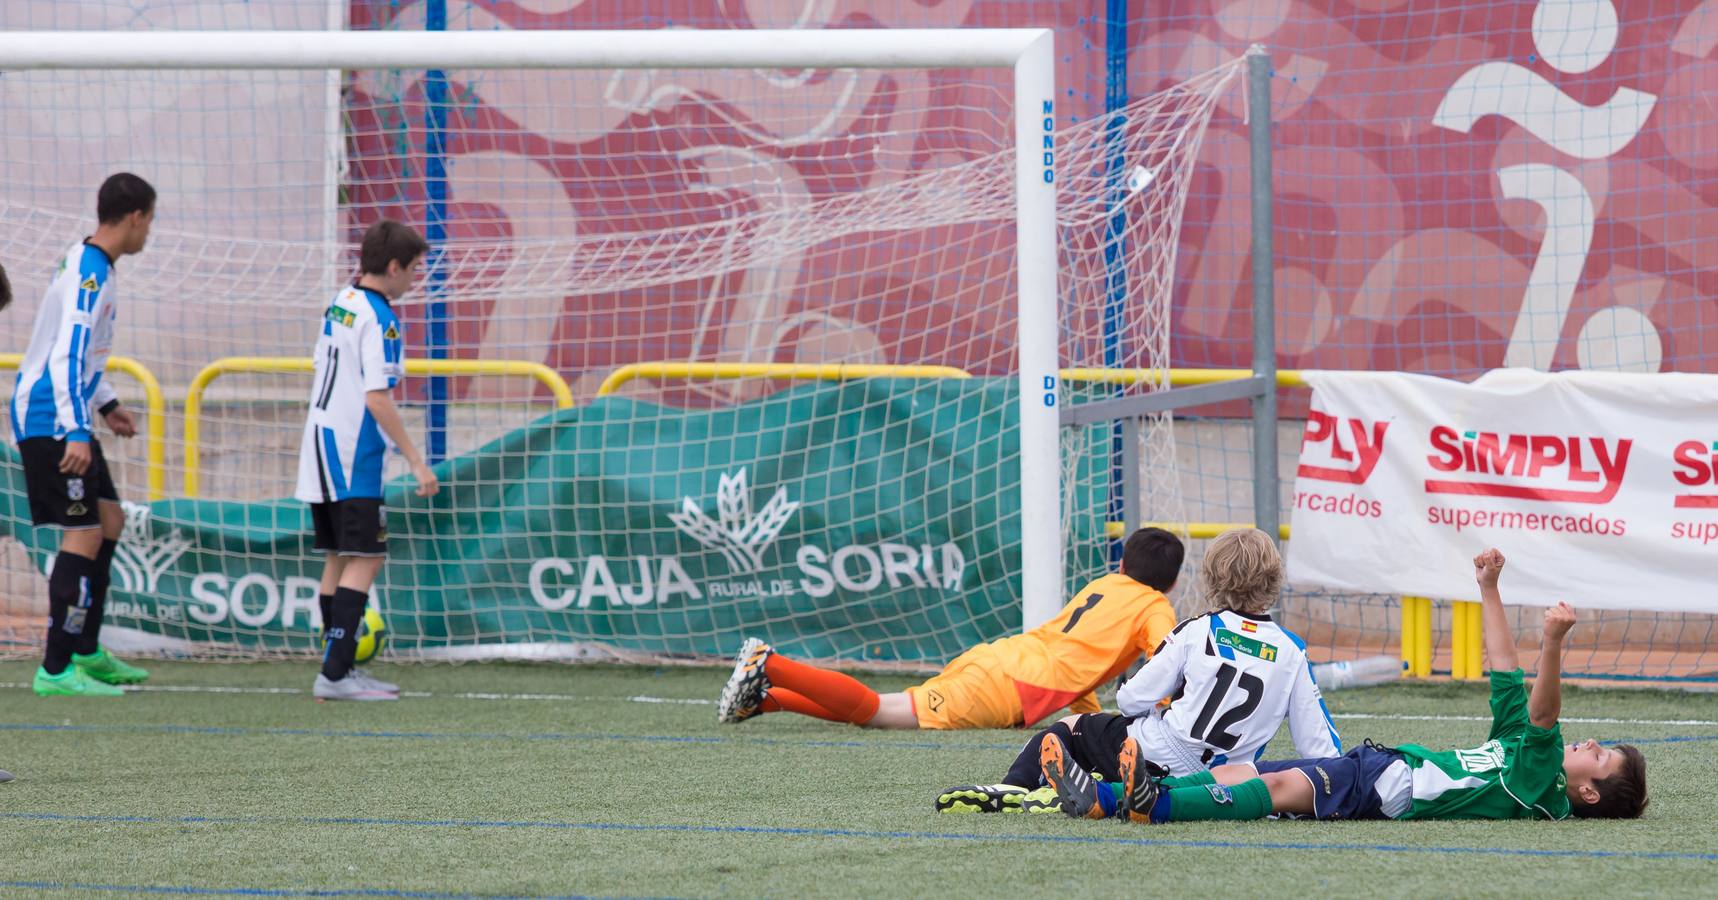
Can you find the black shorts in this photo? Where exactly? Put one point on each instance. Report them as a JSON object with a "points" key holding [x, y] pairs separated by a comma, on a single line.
{"points": [[355, 527], [69, 501], [1343, 787], [1097, 743]]}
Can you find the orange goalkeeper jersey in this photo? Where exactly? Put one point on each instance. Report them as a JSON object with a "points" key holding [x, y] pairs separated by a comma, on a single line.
{"points": [[1092, 640]]}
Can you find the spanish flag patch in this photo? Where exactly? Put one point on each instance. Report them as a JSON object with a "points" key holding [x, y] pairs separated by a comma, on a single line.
{"points": [[1249, 626]]}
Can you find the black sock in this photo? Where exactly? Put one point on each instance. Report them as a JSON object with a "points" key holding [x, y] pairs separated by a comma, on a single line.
{"points": [[1027, 771], [346, 611], [325, 602], [68, 609], [90, 641]]}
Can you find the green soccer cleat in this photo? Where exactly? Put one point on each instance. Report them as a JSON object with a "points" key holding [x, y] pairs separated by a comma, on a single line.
{"points": [[104, 666], [1002, 798], [980, 798], [71, 683]]}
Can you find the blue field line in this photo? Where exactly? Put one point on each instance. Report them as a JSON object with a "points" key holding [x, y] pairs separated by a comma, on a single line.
{"points": [[551, 737], [1677, 739], [774, 831], [559, 737], [203, 891]]}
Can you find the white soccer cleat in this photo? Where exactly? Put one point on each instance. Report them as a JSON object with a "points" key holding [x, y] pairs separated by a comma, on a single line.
{"points": [[377, 683], [348, 688], [743, 695]]}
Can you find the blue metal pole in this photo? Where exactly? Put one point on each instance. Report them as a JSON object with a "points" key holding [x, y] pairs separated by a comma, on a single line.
{"points": [[1115, 255], [435, 232]]}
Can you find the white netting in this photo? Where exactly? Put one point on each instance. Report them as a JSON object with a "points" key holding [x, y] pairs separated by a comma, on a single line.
{"points": [[595, 221]]}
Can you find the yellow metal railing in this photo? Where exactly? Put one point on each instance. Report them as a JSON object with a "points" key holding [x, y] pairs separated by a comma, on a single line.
{"points": [[1417, 636], [258, 364], [1199, 531], [155, 407], [715, 371], [1467, 641]]}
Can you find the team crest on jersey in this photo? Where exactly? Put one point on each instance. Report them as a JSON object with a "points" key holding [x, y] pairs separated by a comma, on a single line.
{"points": [[393, 333], [1247, 645], [341, 316]]}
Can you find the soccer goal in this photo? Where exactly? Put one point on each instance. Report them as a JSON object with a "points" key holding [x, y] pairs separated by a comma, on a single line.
{"points": [[722, 333]]}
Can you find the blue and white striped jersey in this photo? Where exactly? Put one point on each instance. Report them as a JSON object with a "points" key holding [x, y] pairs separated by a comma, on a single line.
{"points": [[361, 349], [60, 378], [1231, 679]]}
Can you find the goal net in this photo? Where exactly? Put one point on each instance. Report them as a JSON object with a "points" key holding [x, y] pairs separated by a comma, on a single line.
{"points": [[703, 353]]}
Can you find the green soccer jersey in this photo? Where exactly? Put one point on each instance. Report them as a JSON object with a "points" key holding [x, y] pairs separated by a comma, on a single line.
{"points": [[1516, 774]]}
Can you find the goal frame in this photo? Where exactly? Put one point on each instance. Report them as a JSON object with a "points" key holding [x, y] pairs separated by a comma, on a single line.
{"points": [[1029, 53]]}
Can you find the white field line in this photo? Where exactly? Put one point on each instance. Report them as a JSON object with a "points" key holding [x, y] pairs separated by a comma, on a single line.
{"points": [[687, 701]]}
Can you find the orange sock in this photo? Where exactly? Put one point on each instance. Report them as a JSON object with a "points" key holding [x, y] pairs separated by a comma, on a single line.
{"points": [[842, 697], [784, 700]]}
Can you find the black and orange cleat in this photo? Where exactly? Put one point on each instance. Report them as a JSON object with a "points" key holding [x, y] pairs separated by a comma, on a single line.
{"points": [[1139, 783], [1074, 786]]}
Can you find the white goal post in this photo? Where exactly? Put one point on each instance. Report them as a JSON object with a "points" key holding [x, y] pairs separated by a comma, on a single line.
{"points": [[1028, 53]]}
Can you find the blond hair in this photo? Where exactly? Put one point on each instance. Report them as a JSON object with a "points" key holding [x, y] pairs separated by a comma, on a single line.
{"points": [[1242, 571]]}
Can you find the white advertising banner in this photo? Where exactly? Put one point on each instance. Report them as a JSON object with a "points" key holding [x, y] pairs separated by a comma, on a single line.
{"points": [[1601, 489]]}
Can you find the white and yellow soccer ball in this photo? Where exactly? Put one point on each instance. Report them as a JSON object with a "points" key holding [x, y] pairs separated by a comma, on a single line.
{"points": [[372, 635]]}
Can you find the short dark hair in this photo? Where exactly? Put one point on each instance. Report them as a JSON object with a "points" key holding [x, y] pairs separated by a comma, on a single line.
{"points": [[1153, 558], [1623, 794], [121, 195], [389, 241], [5, 289]]}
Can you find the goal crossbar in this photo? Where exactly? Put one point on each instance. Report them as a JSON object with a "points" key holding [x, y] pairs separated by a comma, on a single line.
{"points": [[911, 48], [1028, 52]]}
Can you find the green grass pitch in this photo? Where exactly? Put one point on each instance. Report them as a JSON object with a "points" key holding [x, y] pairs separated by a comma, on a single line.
{"points": [[610, 781]]}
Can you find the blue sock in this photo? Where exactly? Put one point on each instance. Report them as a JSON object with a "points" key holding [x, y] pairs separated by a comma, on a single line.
{"points": [[1107, 797], [1160, 809]]}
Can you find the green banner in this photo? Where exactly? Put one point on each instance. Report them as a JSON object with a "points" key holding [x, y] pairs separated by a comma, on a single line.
{"points": [[871, 519]]}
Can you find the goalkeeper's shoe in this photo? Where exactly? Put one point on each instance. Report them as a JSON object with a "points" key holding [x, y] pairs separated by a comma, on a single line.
{"points": [[348, 688], [1139, 777], [71, 683], [1075, 789], [365, 677], [5, 776], [105, 667], [1004, 798], [743, 695]]}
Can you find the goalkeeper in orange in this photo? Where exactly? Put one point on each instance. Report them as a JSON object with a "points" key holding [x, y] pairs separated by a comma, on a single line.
{"points": [[1006, 683]]}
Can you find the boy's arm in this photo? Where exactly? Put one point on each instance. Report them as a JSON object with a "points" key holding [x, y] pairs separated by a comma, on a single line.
{"points": [[1499, 642], [387, 417], [1546, 701], [1158, 678], [1310, 725]]}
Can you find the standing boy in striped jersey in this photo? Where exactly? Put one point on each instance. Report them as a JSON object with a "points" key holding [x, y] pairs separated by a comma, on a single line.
{"points": [[65, 474], [351, 425]]}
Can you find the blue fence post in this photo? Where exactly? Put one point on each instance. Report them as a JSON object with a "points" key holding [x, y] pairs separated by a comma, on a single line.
{"points": [[435, 232], [1115, 259]]}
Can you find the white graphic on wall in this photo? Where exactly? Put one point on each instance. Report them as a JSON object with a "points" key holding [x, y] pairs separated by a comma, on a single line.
{"points": [[1572, 36], [736, 533]]}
